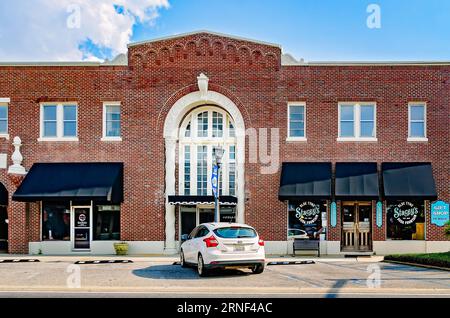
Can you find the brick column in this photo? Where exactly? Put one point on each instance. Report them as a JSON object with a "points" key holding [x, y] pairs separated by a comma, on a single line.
{"points": [[17, 216]]}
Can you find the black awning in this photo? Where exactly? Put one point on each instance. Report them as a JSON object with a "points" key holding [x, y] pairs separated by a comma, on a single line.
{"points": [[201, 199], [357, 180], [303, 180], [408, 180], [3, 195], [72, 181]]}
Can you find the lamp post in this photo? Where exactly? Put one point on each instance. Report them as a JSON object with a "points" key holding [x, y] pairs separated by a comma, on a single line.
{"points": [[218, 154]]}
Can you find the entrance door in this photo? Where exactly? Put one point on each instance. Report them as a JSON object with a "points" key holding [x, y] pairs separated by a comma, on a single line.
{"points": [[356, 227], [3, 228], [81, 228]]}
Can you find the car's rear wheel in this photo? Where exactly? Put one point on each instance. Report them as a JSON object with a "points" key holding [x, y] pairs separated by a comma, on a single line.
{"points": [[182, 260], [202, 271], [258, 269]]}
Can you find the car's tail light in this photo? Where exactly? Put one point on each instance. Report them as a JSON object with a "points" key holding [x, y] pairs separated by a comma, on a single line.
{"points": [[211, 241], [261, 242]]}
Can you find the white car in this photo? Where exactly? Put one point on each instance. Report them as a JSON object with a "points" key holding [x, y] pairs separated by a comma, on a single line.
{"points": [[297, 234], [223, 245]]}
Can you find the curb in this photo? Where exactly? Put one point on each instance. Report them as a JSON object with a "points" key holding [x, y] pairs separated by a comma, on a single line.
{"points": [[417, 265]]}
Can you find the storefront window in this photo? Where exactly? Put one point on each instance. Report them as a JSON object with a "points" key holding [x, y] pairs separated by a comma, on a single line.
{"points": [[107, 223], [406, 220], [55, 221], [305, 219]]}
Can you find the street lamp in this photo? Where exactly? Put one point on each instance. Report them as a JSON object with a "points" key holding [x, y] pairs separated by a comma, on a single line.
{"points": [[218, 154]]}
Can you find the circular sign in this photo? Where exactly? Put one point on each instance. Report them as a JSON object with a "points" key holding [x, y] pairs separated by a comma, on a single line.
{"points": [[406, 213], [307, 212], [82, 217]]}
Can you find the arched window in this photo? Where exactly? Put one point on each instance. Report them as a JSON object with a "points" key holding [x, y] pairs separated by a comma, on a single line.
{"points": [[214, 127]]}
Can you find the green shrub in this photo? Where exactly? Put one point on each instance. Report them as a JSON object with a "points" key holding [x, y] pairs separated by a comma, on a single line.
{"points": [[433, 259], [447, 229]]}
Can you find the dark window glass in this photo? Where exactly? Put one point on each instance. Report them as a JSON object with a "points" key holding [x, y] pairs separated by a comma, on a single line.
{"points": [[55, 221], [405, 220], [107, 223], [307, 217], [228, 214], [235, 232], [188, 219], [203, 231]]}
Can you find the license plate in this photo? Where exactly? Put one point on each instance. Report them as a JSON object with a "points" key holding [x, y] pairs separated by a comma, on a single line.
{"points": [[239, 248]]}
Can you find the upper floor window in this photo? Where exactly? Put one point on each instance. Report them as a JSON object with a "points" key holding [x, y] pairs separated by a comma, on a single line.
{"points": [[59, 121], [417, 125], [357, 121], [3, 118], [111, 121], [296, 121]]}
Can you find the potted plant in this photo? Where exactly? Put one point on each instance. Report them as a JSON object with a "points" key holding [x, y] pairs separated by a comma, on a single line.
{"points": [[447, 229], [121, 248]]}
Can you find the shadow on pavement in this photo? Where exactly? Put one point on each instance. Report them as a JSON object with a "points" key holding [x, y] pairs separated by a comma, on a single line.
{"points": [[177, 272]]}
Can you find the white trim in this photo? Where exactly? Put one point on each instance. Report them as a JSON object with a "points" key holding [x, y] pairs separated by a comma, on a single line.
{"points": [[110, 138], [171, 37], [417, 139], [289, 137], [5, 100], [171, 135], [72, 225], [59, 122], [357, 122]]}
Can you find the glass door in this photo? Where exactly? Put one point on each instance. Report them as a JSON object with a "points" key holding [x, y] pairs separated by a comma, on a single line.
{"points": [[356, 226], [81, 228]]}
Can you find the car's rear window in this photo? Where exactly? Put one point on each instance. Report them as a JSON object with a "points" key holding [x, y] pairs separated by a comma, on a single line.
{"points": [[235, 232]]}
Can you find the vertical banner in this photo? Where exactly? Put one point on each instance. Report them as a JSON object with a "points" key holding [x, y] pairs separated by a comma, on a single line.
{"points": [[379, 214], [333, 216], [215, 180], [440, 213]]}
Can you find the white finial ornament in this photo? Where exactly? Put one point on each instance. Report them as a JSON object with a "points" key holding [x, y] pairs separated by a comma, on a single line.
{"points": [[17, 158], [203, 81]]}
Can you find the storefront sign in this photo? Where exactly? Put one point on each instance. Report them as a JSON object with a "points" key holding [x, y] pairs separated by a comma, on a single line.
{"points": [[308, 212], [333, 214], [379, 214], [406, 213], [439, 213], [81, 218]]}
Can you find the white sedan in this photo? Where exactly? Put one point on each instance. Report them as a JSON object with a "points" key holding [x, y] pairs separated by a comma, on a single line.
{"points": [[223, 245]]}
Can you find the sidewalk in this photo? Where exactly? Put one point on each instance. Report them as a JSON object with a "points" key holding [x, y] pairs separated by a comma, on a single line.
{"points": [[175, 258]]}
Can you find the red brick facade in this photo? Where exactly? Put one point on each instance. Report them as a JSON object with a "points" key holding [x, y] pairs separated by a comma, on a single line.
{"points": [[251, 75]]}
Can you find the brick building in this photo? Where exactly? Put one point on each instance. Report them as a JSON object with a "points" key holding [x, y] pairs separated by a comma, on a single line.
{"points": [[123, 150]]}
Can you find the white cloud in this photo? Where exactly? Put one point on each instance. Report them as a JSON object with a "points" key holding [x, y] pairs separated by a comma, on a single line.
{"points": [[42, 30]]}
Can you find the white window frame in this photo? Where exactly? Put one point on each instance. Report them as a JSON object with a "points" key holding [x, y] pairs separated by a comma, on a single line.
{"points": [[289, 137], [225, 141], [110, 138], [357, 122], [5, 102], [417, 139], [59, 122]]}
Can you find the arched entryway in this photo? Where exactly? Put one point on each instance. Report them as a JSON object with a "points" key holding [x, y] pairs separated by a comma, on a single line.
{"points": [[3, 219], [211, 118]]}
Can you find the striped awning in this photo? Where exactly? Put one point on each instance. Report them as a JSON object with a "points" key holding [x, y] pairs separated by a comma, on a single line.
{"points": [[201, 199]]}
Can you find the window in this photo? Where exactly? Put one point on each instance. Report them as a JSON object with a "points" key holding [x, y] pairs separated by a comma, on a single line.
{"points": [[296, 122], [405, 220], [417, 122], [107, 223], [111, 121], [357, 121], [55, 221], [305, 219], [202, 127], [201, 132], [202, 170], [187, 170], [59, 122], [217, 125], [3, 119], [232, 170]]}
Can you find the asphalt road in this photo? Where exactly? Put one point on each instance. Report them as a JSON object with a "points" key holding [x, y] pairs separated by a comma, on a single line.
{"points": [[162, 279]]}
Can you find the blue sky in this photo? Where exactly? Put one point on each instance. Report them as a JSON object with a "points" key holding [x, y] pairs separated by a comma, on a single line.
{"points": [[310, 29]]}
